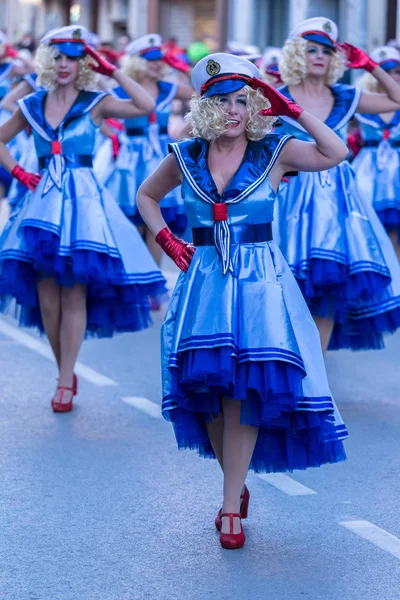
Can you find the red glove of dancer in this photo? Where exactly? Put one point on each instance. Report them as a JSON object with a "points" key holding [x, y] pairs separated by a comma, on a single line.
{"points": [[280, 105], [176, 63], [103, 66], [357, 58], [181, 252], [116, 145], [29, 179], [10, 52]]}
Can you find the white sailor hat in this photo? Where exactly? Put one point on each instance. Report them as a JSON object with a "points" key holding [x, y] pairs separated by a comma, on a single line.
{"points": [[222, 73], [319, 29], [148, 47], [70, 40], [387, 57], [270, 60]]}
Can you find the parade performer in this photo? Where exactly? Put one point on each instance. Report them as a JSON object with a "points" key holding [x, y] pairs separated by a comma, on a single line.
{"points": [[329, 234], [269, 66], [243, 373], [146, 141], [27, 157], [68, 256], [10, 68], [377, 166]]}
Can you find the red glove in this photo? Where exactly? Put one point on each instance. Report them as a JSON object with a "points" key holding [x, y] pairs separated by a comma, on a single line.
{"points": [[116, 145], [176, 63], [280, 105], [103, 66], [181, 252], [10, 52], [29, 179], [357, 58]]}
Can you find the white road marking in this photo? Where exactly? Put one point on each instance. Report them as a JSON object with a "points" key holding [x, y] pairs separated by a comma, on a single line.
{"points": [[147, 406], [379, 537], [286, 484], [36, 345]]}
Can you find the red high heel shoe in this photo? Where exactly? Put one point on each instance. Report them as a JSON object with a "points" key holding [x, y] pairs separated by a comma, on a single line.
{"points": [[59, 406], [244, 508], [75, 385], [232, 541]]}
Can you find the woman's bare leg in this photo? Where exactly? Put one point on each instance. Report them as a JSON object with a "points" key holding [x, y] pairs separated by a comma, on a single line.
{"points": [[238, 447], [215, 430], [394, 238], [325, 328], [50, 308], [72, 332]]}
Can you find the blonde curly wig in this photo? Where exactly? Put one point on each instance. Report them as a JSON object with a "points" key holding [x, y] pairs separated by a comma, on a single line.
{"points": [[367, 83], [293, 63], [208, 120], [135, 67], [45, 67]]}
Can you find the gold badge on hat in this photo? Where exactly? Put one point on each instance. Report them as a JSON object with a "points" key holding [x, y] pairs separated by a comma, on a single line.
{"points": [[152, 41], [77, 34], [382, 54], [327, 27], [213, 68]]}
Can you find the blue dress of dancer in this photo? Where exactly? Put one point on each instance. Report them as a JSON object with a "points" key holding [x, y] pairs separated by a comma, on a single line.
{"points": [[377, 167], [72, 230], [143, 147], [335, 244], [238, 325]]}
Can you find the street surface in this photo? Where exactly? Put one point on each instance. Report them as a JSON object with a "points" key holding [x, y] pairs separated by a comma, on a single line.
{"points": [[98, 504]]}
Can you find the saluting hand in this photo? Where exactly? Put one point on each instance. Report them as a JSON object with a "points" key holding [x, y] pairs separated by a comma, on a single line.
{"points": [[357, 58], [280, 105]]}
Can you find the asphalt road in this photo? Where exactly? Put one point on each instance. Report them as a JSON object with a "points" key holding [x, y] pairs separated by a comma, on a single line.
{"points": [[99, 505]]}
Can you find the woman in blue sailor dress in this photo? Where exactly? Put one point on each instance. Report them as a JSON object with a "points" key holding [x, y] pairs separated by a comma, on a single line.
{"points": [[69, 259], [329, 233], [27, 155], [145, 141], [377, 165], [243, 373], [9, 70]]}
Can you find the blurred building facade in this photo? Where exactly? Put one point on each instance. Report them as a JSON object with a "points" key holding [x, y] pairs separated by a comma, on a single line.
{"points": [[366, 23]]}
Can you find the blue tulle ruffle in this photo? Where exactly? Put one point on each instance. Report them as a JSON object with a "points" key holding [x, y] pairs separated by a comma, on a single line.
{"points": [[114, 302], [271, 397], [330, 289], [390, 218]]}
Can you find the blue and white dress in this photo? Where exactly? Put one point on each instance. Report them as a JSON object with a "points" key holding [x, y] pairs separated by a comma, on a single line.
{"points": [[377, 167], [335, 244], [72, 230], [143, 146], [238, 325]]}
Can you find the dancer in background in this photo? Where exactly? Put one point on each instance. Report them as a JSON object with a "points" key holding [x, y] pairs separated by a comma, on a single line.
{"points": [[146, 140], [68, 256], [329, 233], [377, 165], [269, 66], [243, 373], [12, 65]]}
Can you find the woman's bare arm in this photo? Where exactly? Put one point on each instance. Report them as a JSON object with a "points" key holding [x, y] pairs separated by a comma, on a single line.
{"points": [[141, 102], [8, 131], [325, 152], [164, 179]]}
